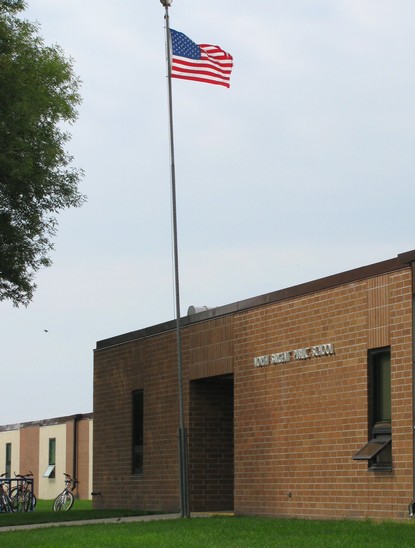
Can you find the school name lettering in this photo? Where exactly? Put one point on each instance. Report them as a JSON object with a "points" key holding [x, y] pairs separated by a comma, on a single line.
{"points": [[295, 355]]}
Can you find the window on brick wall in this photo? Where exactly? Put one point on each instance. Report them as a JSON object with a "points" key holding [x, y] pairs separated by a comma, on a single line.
{"points": [[138, 432], [8, 460], [378, 451]]}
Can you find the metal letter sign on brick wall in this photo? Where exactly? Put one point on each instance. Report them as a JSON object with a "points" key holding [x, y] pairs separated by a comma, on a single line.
{"points": [[305, 353]]}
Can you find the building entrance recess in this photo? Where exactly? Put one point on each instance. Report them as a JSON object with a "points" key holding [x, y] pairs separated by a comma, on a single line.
{"points": [[211, 444]]}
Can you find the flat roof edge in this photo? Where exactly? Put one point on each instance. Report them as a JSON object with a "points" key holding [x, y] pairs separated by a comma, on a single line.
{"points": [[401, 261], [138, 334], [45, 422]]}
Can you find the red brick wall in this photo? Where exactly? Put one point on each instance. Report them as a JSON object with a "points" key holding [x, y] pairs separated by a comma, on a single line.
{"points": [[147, 364], [82, 465], [297, 425], [29, 449], [82, 454], [70, 449], [29, 453]]}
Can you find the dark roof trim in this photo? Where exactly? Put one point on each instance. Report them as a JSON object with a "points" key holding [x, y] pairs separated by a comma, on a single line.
{"points": [[46, 422], [401, 261]]}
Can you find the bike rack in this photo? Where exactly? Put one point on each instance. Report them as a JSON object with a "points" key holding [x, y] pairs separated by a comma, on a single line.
{"points": [[15, 482]]}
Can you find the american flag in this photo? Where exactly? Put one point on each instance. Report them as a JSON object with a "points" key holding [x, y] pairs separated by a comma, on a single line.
{"points": [[201, 63]]}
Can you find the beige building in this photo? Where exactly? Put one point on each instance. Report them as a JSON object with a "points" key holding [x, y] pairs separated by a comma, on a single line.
{"points": [[49, 448]]}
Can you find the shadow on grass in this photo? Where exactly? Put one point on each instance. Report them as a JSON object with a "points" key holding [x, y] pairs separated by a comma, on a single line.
{"points": [[81, 510]]}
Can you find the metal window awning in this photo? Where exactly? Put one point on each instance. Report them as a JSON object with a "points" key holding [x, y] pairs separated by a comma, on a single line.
{"points": [[49, 470], [373, 448]]}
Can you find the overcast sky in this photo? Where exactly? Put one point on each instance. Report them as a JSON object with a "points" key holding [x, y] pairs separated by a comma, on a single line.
{"points": [[302, 169]]}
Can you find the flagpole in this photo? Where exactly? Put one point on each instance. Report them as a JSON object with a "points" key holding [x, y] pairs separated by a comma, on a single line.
{"points": [[182, 434]]}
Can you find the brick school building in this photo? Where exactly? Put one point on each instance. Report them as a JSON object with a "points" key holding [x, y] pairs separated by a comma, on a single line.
{"points": [[297, 403]]}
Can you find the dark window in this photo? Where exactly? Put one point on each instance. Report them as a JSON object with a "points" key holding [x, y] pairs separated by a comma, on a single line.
{"points": [[378, 451], [138, 432], [8, 459], [380, 378], [52, 450]]}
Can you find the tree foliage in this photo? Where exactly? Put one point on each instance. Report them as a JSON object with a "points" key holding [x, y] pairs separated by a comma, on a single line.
{"points": [[38, 92]]}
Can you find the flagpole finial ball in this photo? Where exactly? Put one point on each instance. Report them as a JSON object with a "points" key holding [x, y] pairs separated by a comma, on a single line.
{"points": [[166, 3]]}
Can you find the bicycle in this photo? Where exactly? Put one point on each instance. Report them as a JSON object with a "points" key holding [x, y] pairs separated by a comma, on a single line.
{"points": [[22, 496], [65, 500], [5, 501]]}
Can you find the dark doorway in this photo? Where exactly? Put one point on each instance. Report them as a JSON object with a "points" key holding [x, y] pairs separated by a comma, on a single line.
{"points": [[211, 453]]}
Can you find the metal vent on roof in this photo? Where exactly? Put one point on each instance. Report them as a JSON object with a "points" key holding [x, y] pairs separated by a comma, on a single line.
{"points": [[196, 309]]}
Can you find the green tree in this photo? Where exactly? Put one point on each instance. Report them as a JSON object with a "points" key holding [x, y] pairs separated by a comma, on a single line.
{"points": [[38, 92]]}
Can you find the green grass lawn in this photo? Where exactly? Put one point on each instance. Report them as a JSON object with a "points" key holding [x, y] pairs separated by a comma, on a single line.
{"points": [[221, 531], [43, 513], [47, 505]]}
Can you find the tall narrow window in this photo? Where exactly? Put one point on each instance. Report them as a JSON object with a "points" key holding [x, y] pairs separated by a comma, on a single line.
{"points": [[50, 472], [52, 450], [381, 430], [380, 365], [378, 451], [8, 460], [138, 432]]}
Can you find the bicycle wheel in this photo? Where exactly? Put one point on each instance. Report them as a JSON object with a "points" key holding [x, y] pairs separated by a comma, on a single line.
{"points": [[7, 504], [67, 501], [57, 503], [28, 501], [63, 502], [14, 493], [17, 499]]}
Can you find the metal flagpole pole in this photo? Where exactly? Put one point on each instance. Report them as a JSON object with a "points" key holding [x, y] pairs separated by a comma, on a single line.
{"points": [[184, 499]]}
